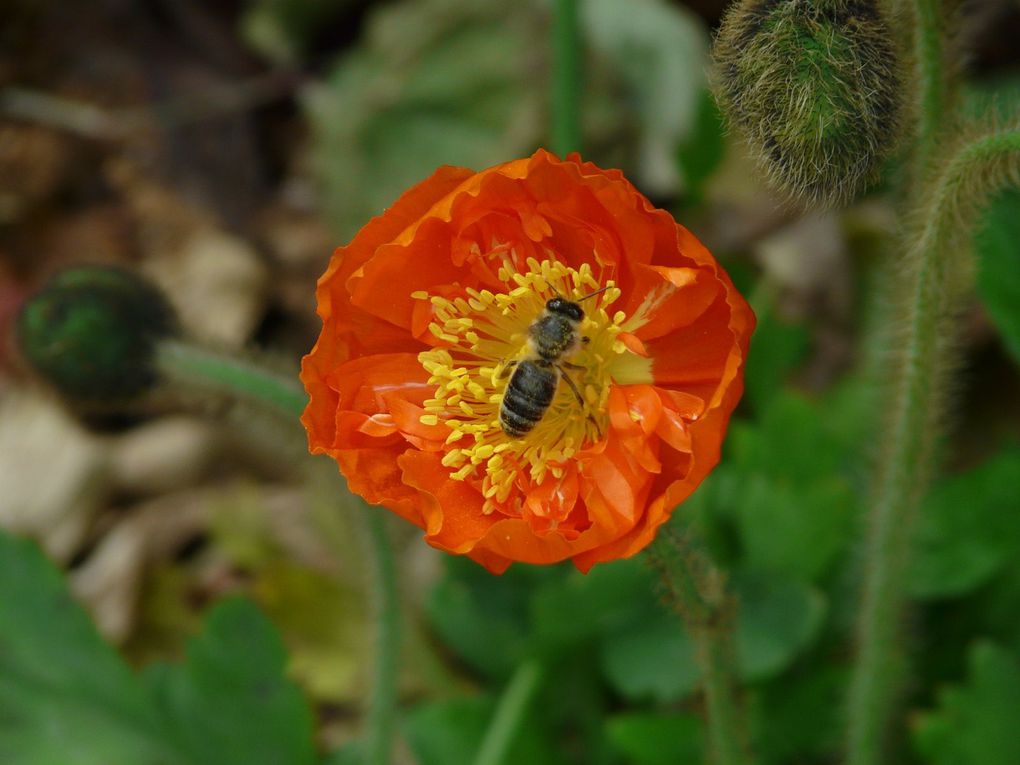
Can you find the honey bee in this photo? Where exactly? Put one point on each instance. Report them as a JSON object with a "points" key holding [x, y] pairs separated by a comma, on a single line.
{"points": [[552, 338]]}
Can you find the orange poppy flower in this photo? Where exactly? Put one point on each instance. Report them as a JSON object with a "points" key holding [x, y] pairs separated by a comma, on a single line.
{"points": [[426, 312]]}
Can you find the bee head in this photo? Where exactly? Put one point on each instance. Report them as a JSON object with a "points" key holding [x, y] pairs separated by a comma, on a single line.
{"points": [[565, 308]]}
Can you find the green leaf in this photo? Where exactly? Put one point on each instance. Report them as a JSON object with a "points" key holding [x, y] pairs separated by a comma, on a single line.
{"points": [[348, 754], [582, 607], [794, 507], [778, 347], [969, 529], [652, 657], [433, 82], [776, 620], [798, 530], [651, 660], [446, 732], [660, 51], [977, 722], [998, 277], [650, 738], [701, 152], [66, 698], [230, 702], [815, 693], [485, 618]]}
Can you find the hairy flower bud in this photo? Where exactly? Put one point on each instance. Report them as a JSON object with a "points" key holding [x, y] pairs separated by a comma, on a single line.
{"points": [[91, 332], [815, 87]]}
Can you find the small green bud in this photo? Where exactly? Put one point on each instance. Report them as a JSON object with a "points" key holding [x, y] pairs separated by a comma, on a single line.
{"points": [[815, 87], [91, 331]]}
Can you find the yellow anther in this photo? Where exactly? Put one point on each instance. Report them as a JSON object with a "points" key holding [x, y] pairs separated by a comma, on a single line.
{"points": [[483, 331]]}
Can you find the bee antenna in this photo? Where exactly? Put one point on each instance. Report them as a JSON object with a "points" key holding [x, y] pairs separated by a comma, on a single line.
{"points": [[596, 292]]}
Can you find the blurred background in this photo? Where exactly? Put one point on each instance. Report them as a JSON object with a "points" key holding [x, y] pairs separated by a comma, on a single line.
{"points": [[224, 149]]}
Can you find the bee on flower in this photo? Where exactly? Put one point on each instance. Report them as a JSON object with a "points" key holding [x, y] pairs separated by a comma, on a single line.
{"points": [[531, 363]]}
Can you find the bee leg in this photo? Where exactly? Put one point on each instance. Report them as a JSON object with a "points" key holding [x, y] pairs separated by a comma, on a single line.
{"points": [[572, 384], [506, 370], [585, 339], [568, 365], [577, 393]]}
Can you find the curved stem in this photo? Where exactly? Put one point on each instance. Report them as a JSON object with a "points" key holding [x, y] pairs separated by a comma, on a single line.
{"points": [[696, 590], [386, 609], [566, 95], [921, 373], [510, 714], [220, 373]]}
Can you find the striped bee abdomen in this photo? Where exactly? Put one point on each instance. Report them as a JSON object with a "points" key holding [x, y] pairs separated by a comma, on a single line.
{"points": [[527, 397]]}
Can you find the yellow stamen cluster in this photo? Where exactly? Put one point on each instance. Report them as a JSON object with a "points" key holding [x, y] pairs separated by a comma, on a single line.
{"points": [[480, 333]]}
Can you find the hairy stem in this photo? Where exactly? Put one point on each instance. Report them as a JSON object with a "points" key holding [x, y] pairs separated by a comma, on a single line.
{"points": [[194, 367], [930, 67], [386, 611], [510, 714], [566, 95], [221, 374], [695, 589], [936, 274]]}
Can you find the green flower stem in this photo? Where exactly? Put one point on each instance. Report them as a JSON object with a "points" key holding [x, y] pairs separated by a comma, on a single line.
{"points": [[932, 79], [936, 276], [510, 714], [221, 374], [696, 590], [386, 607], [194, 367], [566, 95]]}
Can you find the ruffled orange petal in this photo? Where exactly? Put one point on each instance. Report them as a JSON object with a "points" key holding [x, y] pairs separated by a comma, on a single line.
{"points": [[368, 389]]}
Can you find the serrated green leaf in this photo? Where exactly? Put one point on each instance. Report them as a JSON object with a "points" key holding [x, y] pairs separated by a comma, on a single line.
{"points": [[650, 738], [998, 277], [793, 505], [976, 722], [66, 698], [230, 703], [969, 528]]}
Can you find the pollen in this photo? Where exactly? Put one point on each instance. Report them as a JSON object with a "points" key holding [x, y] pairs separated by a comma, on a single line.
{"points": [[478, 335]]}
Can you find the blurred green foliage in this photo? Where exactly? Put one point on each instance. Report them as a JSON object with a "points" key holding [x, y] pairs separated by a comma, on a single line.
{"points": [[66, 697], [999, 267], [447, 81], [434, 82], [976, 722]]}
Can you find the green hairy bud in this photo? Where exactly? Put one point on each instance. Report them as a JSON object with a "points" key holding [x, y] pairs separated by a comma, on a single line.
{"points": [[91, 332], [815, 87]]}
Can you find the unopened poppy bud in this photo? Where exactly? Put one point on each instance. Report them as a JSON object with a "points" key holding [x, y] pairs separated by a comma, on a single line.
{"points": [[91, 332], [815, 87]]}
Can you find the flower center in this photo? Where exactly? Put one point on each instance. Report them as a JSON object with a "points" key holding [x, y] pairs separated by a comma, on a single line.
{"points": [[484, 339]]}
